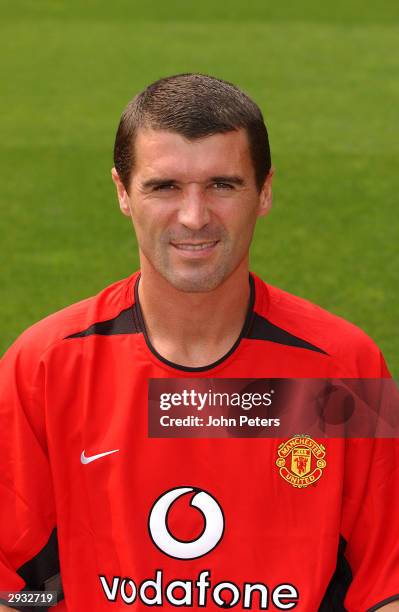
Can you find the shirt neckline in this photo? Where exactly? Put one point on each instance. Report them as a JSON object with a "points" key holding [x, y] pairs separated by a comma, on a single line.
{"points": [[176, 366]]}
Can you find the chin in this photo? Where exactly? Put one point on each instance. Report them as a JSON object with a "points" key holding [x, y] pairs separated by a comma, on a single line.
{"points": [[195, 283]]}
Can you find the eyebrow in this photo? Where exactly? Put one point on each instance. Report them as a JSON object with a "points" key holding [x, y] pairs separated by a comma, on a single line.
{"points": [[236, 180], [156, 182]]}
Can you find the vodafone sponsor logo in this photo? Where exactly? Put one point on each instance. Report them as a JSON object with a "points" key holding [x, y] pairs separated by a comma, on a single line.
{"points": [[213, 524], [199, 592]]}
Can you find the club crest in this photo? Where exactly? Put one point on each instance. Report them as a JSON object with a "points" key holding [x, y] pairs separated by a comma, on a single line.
{"points": [[301, 461]]}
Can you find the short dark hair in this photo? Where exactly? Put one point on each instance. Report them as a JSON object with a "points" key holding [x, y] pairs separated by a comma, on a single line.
{"points": [[194, 106]]}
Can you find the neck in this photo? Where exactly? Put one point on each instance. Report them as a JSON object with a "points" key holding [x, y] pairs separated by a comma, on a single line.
{"points": [[193, 329]]}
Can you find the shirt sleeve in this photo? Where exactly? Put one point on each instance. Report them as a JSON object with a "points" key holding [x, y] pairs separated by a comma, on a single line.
{"points": [[28, 535], [370, 516]]}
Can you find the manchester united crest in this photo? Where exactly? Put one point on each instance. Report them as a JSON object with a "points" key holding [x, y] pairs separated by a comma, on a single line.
{"points": [[301, 461]]}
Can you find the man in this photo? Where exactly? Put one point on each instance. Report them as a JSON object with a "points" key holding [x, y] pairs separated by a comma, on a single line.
{"points": [[177, 520]]}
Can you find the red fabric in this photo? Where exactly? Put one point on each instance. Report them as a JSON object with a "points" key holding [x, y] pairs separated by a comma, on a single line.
{"points": [[61, 396]]}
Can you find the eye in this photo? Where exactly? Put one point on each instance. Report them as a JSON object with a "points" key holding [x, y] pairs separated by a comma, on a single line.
{"points": [[220, 186], [165, 187]]}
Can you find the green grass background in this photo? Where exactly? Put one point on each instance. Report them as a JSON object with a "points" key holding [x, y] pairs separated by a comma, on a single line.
{"points": [[326, 78]]}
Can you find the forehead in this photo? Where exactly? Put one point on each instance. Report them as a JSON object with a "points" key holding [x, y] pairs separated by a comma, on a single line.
{"points": [[168, 154]]}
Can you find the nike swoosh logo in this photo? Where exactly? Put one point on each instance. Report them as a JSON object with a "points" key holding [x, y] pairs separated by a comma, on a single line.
{"points": [[85, 459]]}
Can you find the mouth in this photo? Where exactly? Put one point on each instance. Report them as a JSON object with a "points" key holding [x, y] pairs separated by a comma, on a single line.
{"points": [[194, 246]]}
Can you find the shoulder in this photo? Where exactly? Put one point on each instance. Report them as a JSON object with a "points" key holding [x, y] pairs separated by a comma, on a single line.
{"points": [[341, 340], [57, 327]]}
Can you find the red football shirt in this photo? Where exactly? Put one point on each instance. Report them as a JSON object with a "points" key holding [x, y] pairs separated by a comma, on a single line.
{"points": [[128, 519]]}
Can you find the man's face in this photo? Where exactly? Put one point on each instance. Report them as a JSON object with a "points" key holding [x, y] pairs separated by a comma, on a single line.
{"points": [[194, 205]]}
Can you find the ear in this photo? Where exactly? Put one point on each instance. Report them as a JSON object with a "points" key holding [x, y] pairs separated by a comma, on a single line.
{"points": [[123, 196], [265, 196]]}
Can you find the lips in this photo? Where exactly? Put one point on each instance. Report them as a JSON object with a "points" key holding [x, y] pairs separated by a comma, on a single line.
{"points": [[192, 246]]}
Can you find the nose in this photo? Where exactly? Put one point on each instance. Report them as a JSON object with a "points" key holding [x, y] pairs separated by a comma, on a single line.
{"points": [[193, 212]]}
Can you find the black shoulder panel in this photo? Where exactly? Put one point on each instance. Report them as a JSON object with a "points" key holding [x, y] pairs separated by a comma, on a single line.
{"points": [[126, 322], [262, 329]]}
